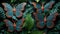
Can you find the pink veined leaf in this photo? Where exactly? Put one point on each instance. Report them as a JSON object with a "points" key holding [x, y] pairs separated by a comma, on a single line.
{"points": [[9, 10]]}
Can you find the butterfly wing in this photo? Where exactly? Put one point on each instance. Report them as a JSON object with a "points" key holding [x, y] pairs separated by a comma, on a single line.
{"points": [[49, 5], [51, 18], [19, 9], [8, 9], [9, 24], [38, 6], [41, 23], [19, 25], [50, 22]]}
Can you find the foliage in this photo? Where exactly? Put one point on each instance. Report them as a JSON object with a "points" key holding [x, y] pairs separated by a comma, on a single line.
{"points": [[29, 22], [2, 14], [37, 32], [37, 0]]}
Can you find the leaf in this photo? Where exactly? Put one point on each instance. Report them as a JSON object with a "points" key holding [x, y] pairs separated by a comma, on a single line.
{"points": [[55, 8], [22, 0], [54, 32], [58, 25], [2, 14], [28, 9], [29, 22], [37, 32], [37, 0], [13, 1], [42, 0], [1, 24], [8, 33]]}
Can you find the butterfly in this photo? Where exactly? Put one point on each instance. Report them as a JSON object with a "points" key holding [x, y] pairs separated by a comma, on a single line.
{"points": [[13, 13], [42, 20], [11, 26], [49, 19], [43, 8]]}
